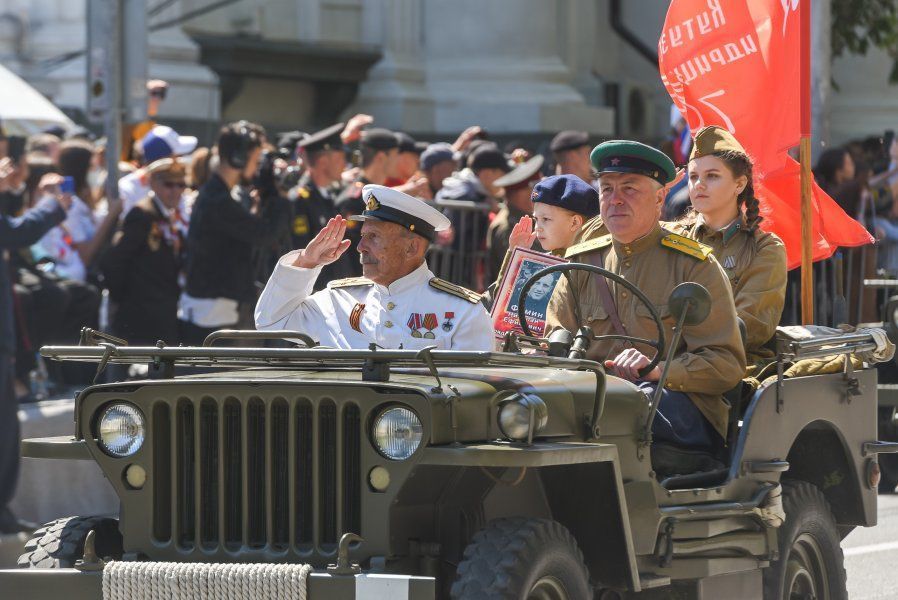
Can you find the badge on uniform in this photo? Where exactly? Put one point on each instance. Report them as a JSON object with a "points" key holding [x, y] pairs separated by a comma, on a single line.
{"points": [[372, 203], [447, 324], [418, 321], [154, 239], [729, 262], [300, 225], [355, 317]]}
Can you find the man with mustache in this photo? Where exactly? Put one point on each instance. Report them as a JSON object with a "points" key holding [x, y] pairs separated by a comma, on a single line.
{"points": [[397, 303], [710, 358]]}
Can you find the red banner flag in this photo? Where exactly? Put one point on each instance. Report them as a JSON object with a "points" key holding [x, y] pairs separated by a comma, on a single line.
{"points": [[735, 64]]}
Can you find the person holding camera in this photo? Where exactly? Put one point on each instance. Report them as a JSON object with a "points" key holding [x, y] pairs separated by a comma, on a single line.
{"points": [[222, 235], [17, 232]]}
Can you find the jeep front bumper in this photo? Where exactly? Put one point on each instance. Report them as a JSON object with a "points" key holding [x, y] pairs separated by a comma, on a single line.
{"points": [[51, 584]]}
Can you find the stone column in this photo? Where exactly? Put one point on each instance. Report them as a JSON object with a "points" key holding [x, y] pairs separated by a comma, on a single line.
{"points": [[821, 74]]}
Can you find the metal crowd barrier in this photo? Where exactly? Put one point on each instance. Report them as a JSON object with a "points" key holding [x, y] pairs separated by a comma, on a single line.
{"points": [[463, 259]]}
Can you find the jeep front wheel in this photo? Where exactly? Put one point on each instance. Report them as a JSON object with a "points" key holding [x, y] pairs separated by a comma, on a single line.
{"points": [[59, 543], [519, 558], [810, 564]]}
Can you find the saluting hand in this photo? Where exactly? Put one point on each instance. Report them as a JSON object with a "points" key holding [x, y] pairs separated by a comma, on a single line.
{"points": [[627, 364], [522, 234], [326, 247]]}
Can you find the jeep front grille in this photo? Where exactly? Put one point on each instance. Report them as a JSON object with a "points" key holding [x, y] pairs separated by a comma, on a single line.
{"points": [[269, 474]]}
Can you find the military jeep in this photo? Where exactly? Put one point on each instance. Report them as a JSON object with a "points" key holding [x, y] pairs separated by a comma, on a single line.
{"points": [[450, 474]]}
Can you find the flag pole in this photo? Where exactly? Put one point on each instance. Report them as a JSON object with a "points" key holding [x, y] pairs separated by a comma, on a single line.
{"points": [[807, 266]]}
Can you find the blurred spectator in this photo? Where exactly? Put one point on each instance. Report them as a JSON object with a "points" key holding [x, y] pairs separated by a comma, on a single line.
{"points": [[198, 173], [476, 183], [157, 90], [406, 160], [222, 235], [45, 143], [570, 150], [379, 150], [834, 173], [141, 267], [15, 233], [518, 185], [161, 142], [437, 163]]}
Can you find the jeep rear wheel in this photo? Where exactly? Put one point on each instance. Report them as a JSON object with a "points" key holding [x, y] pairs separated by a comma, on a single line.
{"points": [[810, 562], [518, 558], [59, 543]]}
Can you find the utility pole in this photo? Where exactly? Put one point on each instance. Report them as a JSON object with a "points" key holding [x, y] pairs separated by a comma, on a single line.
{"points": [[116, 73]]}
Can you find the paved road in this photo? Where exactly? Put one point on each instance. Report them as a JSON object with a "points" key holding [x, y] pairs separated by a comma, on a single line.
{"points": [[871, 556]]}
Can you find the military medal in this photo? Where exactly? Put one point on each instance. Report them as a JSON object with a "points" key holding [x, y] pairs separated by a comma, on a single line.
{"points": [[430, 323], [729, 262], [447, 324], [414, 323]]}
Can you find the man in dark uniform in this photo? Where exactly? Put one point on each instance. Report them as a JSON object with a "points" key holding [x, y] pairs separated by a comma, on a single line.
{"points": [[313, 198], [379, 150], [518, 184], [142, 265]]}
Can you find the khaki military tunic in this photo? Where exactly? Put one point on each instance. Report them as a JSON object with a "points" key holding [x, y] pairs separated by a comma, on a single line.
{"points": [[710, 359], [755, 263]]}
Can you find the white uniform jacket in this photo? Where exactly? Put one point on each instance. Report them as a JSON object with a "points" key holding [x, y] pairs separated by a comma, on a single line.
{"points": [[413, 312]]}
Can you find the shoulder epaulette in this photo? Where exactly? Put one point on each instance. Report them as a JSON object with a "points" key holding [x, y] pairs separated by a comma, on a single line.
{"points": [[456, 290], [303, 192], [687, 246], [350, 282], [588, 246]]}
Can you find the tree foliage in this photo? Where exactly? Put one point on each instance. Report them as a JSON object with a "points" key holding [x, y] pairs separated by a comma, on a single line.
{"points": [[858, 25]]}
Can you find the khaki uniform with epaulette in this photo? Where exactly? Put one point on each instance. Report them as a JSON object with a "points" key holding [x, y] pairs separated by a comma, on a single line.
{"points": [[710, 359]]}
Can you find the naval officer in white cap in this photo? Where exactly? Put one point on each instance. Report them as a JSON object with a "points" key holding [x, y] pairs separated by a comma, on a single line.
{"points": [[398, 302]]}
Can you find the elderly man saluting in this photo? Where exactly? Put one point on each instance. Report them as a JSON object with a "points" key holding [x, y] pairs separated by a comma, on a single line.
{"points": [[710, 359], [397, 303]]}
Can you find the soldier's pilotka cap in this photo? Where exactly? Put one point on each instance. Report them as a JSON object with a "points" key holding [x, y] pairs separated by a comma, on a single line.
{"points": [[625, 156], [712, 140], [522, 174], [167, 169], [326, 139], [386, 204], [567, 191], [379, 139], [568, 140]]}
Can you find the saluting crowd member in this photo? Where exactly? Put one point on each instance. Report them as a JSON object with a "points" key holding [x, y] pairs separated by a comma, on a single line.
{"points": [[570, 150], [313, 198], [710, 359], [222, 235], [518, 185], [379, 151], [397, 303], [141, 267], [726, 219]]}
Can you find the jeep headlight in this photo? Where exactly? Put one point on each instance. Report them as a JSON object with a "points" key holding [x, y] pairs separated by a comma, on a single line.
{"points": [[121, 430], [397, 433], [522, 416]]}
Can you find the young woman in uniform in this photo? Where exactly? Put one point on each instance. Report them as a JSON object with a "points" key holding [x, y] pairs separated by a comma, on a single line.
{"points": [[725, 216]]}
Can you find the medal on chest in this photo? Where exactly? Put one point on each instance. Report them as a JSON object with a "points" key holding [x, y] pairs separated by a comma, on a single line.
{"points": [[355, 317], [427, 321], [729, 262], [447, 324]]}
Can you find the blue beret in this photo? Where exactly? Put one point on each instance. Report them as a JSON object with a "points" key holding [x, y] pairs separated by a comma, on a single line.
{"points": [[567, 191]]}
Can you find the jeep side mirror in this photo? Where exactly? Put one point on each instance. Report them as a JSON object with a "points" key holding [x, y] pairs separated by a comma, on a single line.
{"points": [[690, 302]]}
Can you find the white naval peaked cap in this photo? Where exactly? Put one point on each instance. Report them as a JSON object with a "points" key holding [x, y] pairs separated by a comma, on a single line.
{"points": [[386, 204]]}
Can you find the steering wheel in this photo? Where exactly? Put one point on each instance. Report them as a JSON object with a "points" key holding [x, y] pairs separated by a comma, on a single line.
{"points": [[658, 344]]}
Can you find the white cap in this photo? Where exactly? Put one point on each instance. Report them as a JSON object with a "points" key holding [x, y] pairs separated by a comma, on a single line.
{"points": [[386, 204], [163, 141]]}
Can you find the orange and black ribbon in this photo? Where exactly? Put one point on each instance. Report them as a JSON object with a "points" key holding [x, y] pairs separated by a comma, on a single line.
{"points": [[355, 317]]}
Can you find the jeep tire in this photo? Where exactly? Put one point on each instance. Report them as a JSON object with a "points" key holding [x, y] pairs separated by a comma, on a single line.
{"points": [[810, 564], [520, 558], [59, 543]]}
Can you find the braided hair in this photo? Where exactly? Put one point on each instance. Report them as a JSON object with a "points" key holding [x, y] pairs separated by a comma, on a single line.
{"points": [[740, 164]]}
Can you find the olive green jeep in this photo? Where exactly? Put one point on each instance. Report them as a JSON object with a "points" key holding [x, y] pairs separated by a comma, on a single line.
{"points": [[451, 474]]}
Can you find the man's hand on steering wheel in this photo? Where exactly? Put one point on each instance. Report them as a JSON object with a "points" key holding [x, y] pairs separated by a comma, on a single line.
{"points": [[627, 364]]}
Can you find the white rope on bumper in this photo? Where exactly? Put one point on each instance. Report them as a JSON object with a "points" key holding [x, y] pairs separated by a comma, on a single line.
{"points": [[201, 581]]}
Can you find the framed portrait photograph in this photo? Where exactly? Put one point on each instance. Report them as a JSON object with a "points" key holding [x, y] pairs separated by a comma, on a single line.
{"points": [[521, 266]]}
